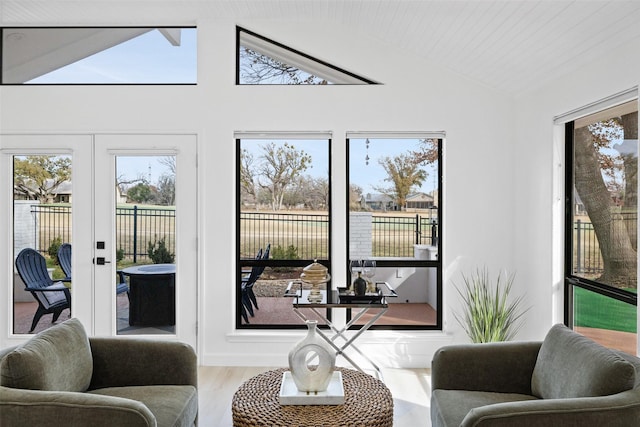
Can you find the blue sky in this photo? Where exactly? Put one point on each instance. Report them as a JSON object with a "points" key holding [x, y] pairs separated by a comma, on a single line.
{"points": [[131, 167], [366, 176], [148, 58]]}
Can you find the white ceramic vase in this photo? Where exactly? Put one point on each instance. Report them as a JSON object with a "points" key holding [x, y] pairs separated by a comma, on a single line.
{"points": [[306, 376]]}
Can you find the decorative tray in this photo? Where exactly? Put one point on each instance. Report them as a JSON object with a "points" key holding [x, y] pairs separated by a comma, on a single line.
{"points": [[289, 394], [347, 297]]}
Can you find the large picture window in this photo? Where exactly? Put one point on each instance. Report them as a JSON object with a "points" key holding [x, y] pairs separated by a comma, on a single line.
{"points": [[602, 225], [394, 202], [283, 223]]}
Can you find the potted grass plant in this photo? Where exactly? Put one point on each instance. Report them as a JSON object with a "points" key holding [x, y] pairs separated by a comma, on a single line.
{"points": [[489, 313]]}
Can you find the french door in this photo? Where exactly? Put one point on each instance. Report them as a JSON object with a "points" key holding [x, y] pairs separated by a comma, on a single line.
{"points": [[127, 204]]}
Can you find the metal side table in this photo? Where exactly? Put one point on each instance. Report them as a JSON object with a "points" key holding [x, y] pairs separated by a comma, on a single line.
{"points": [[365, 303]]}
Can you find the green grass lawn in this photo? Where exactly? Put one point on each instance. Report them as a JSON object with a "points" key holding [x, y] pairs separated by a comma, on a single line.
{"points": [[597, 311]]}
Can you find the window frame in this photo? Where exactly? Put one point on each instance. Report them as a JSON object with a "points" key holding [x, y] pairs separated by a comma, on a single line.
{"points": [[437, 264], [299, 59], [300, 263], [571, 280]]}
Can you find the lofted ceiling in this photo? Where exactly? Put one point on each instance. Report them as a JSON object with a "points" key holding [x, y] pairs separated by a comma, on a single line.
{"points": [[512, 46]]}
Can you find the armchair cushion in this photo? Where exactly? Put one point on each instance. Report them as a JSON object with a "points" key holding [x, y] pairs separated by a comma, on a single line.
{"points": [[20, 408], [58, 358], [570, 365], [458, 403], [172, 405]]}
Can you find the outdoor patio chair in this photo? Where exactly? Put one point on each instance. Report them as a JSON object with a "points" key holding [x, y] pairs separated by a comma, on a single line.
{"points": [[250, 283], [121, 283], [64, 259], [249, 278], [52, 297]]}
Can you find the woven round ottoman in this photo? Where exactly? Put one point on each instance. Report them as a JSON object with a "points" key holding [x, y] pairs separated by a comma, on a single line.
{"points": [[368, 402]]}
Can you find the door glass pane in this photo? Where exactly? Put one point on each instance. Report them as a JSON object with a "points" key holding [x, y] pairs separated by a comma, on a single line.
{"points": [[394, 221], [145, 221], [41, 225]]}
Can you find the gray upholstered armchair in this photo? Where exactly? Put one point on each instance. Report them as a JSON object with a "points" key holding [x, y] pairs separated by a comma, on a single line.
{"points": [[566, 380], [62, 377]]}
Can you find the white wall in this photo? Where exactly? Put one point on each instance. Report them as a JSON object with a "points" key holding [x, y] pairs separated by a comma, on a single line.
{"points": [[414, 96], [539, 176], [481, 218]]}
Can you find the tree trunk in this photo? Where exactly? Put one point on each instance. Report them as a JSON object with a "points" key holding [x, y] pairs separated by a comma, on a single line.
{"points": [[620, 260], [629, 152]]}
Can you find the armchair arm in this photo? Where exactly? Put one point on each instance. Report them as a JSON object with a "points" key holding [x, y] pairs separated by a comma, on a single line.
{"points": [[618, 410], [19, 407], [129, 362], [499, 367]]}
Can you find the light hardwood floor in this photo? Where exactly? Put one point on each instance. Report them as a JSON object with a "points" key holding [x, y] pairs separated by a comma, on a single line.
{"points": [[411, 390]]}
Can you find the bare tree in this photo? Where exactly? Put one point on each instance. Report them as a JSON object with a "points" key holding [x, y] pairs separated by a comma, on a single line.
{"points": [[38, 177], [317, 195], [166, 194], [256, 68], [629, 153], [247, 176], [170, 163], [280, 167], [404, 173], [355, 197], [428, 152], [596, 182]]}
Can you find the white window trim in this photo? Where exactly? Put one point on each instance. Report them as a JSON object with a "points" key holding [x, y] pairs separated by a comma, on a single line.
{"points": [[594, 107]]}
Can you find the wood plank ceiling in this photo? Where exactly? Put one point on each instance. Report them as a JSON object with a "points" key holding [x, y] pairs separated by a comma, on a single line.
{"points": [[512, 46]]}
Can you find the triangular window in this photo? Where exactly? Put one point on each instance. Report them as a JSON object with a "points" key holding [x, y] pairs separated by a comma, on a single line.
{"points": [[265, 62]]}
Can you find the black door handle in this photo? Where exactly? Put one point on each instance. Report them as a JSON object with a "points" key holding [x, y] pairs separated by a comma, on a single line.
{"points": [[101, 261]]}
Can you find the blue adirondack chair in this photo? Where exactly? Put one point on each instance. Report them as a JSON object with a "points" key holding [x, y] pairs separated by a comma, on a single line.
{"points": [[64, 259], [52, 297]]}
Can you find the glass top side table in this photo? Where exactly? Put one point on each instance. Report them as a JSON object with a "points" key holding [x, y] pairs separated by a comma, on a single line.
{"points": [[330, 300]]}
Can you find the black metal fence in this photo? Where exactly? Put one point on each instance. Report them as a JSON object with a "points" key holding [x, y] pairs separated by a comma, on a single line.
{"points": [[586, 252], [50, 223], [394, 236], [136, 227], [305, 236], [587, 259], [308, 234]]}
